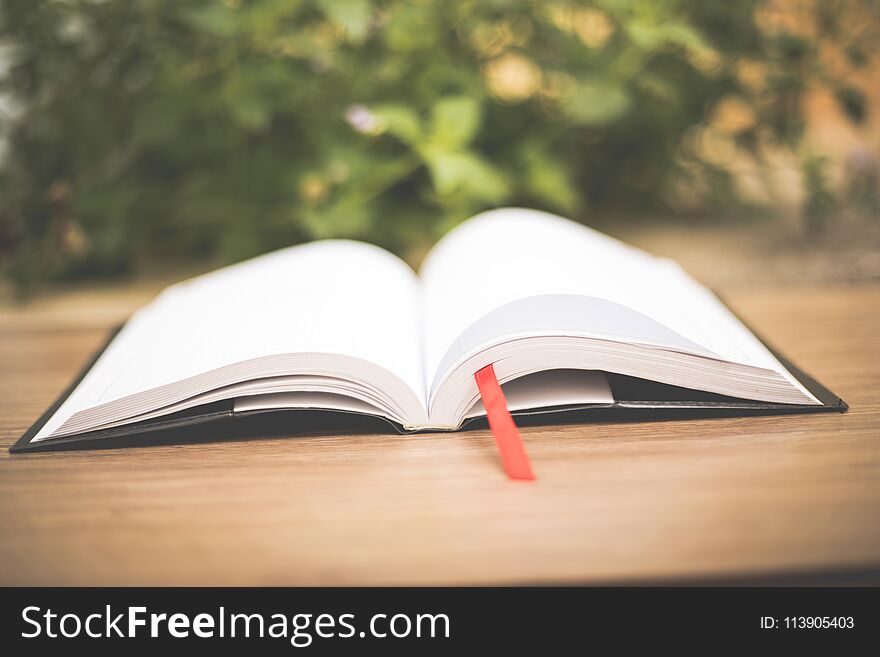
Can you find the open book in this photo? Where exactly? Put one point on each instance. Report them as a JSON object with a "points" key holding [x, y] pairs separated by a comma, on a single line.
{"points": [[566, 315]]}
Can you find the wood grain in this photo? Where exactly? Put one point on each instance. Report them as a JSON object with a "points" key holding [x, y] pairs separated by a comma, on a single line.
{"points": [[614, 501]]}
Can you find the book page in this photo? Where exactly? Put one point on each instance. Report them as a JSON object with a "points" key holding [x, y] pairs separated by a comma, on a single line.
{"points": [[512, 254], [327, 297]]}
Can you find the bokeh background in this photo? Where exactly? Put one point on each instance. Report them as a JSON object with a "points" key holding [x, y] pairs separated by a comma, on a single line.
{"points": [[152, 135]]}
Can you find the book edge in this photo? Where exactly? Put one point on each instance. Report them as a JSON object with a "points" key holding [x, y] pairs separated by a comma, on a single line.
{"points": [[24, 441]]}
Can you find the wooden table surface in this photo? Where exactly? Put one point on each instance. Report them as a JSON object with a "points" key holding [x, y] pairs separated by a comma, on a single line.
{"points": [[667, 501]]}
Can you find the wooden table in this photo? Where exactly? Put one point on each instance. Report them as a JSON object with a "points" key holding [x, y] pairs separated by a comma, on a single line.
{"points": [[736, 499]]}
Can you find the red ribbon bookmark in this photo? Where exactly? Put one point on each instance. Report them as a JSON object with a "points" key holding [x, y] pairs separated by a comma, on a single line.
{"points": [[513, 453]]}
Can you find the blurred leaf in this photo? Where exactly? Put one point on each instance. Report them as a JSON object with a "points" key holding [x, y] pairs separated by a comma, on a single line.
{"points": [[250, 112], [215, 19], [856, 56], [454, 121], [791, 47], [852, 102], [597, 103], [549, 180], [411, 27], [683, 35], [650, 35], [400, 121], [337, 220], [353, 15], [467, 174]]}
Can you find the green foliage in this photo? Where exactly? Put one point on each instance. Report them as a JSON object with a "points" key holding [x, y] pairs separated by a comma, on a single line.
{"points": [[224, 128]]}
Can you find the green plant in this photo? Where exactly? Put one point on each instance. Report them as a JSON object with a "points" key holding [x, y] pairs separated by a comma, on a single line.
{"points": [[209, 128]]}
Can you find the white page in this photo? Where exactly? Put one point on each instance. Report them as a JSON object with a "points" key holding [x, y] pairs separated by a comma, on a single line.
{"points": [[506, 255], [334, 297], [304, 400]]}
